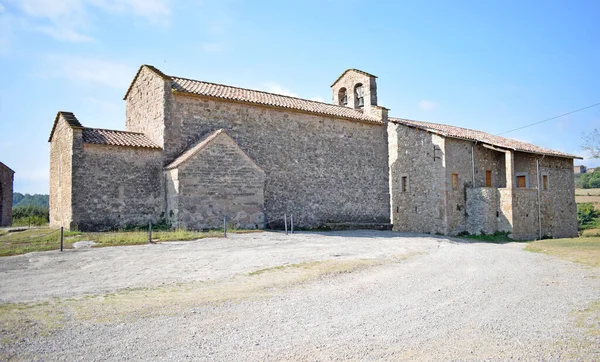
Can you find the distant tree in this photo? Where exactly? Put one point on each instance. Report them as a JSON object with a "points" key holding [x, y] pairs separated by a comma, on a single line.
{"points": [[591, 143], [30, 200], [17, 197]]}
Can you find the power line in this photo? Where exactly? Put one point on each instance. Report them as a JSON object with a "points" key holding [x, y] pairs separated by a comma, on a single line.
{"points": [[549, 119]]}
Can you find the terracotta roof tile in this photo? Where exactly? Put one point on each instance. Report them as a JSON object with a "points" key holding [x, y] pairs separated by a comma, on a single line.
{"points": [[117, 138], [469, 134], [269, 99]]}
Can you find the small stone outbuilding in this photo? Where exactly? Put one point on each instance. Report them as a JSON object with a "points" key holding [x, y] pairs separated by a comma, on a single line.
{"points": [[6, 194]]}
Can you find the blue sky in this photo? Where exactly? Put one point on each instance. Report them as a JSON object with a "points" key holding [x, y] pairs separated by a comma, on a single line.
{"points": [[492, 66]]}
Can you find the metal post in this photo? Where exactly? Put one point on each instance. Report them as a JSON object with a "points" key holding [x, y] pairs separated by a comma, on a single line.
{"points": [[292, 222], [29, 221], [62, 236], [224, 226], [150, 232], [285, 222]]}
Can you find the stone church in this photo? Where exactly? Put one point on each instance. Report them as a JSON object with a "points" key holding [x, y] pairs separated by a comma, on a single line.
{"points": [[194, 152]]}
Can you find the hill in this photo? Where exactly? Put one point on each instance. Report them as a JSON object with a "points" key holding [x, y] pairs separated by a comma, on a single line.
{"points": [[23, 200]]}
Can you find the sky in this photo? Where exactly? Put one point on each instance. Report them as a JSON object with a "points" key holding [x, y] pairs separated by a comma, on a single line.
{"points": [[487, 65]]}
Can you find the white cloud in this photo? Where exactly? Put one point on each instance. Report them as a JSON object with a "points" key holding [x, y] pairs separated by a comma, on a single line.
{"points": [[155, 11], [273, 87], [318, 99], [72, 20], [427, 105], [89, 71]]}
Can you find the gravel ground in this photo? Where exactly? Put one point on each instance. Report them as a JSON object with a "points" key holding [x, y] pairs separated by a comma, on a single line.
{"points": [[376, 296]]}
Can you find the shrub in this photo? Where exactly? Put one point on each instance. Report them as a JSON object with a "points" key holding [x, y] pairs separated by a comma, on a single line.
{"points": [[586, 214]]}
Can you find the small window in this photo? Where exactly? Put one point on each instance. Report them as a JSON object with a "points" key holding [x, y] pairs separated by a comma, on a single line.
{"points": [[544, 182], [404, 185], [454, 181], [488, 178], [359, 95], [343, 97], [521, 181]]}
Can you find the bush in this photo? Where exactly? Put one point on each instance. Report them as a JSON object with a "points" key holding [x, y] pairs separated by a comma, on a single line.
{"points": [[586, 214], [34, 215]]}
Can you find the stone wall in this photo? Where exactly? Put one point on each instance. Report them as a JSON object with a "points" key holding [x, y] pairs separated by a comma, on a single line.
{"points": [[525, 214], [467, 159], [6, 195], [559, 216], [422, 206], [220, 180], [482, 206], [145, 106], [61, 166], [321, 169], [115, 187]]}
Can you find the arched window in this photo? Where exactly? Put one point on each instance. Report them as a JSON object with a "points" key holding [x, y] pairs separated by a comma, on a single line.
{"points": [[359, 96], [343, 97]]}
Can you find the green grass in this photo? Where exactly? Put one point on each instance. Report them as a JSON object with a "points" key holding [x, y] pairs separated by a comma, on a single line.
{"points": [[580, 250], [44, 239]]}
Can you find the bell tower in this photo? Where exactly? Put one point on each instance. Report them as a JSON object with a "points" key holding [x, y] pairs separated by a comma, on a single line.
{"points": [[358, 90], [355, 89]]}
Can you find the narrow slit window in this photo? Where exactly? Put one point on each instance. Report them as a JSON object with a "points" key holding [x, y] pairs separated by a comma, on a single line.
{"points": [[404, 185], [454, 181], [544, 182], [488, 178]]}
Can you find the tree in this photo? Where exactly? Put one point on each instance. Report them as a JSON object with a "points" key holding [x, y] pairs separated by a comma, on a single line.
{"points": [[591, 143]]}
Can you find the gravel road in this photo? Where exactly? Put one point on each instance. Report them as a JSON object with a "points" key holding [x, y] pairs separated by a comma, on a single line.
{"points": [[355, 295]]}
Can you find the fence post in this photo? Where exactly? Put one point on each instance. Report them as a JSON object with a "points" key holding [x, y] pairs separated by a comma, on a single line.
{"points": [[29, 221], [62, 236], [285, 222], [225, 226], [292, 222], [150, 232]]}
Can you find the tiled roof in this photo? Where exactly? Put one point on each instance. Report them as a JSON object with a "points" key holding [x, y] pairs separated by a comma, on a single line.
{"points": [[215, 90], [482, 137], [197, 87], [117, 138], [69, 117], [355, 70]]}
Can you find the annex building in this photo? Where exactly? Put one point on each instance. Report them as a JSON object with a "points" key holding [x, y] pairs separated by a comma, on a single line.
{"points": [[193, 152]]}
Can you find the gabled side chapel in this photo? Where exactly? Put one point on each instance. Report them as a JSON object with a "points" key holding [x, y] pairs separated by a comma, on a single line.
{"points": [[194, 152]]}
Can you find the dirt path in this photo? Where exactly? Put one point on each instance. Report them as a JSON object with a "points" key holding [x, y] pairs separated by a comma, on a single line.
{"points": [[343, 296]]}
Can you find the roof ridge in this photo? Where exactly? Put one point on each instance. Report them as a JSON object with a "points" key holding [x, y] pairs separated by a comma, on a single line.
{"points": [[444, 124], [484, 137], [113, 130], [261, 91]]}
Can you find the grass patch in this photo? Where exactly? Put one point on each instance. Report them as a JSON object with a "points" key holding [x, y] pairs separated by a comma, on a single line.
{"points": [[580, 250], [497, 237], [44, 239]]}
